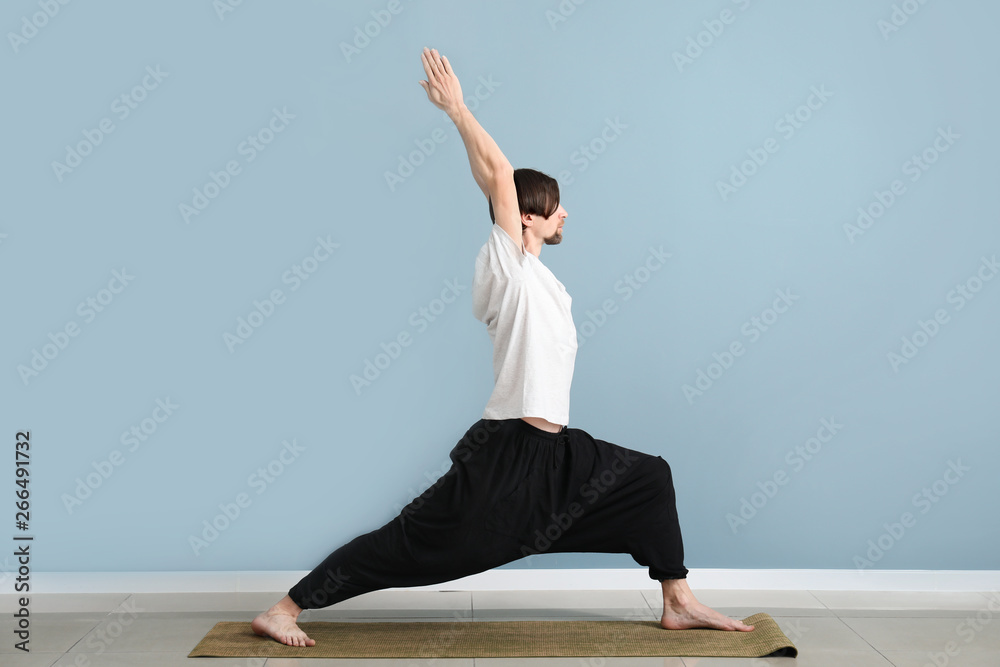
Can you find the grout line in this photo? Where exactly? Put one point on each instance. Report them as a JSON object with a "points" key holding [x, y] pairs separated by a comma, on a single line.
{"points": [[825, 605], [648, 603], [104, 618], [865, 640]]}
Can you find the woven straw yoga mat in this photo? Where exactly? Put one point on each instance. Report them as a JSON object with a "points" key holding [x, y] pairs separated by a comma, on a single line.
{"points": [[499, 639]]}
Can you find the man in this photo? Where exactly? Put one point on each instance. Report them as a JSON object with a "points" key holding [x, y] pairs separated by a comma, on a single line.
{"points": [[521, 482]]}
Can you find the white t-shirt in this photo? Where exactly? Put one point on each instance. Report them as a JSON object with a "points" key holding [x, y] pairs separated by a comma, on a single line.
{"points": [[527, 314]]}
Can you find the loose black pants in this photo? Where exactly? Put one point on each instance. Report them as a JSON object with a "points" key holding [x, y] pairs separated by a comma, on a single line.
{"points": [[513, 490]]}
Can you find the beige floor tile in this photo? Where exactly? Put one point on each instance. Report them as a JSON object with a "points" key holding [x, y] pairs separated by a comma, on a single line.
{"points": [[900, 600], [32, 659], [821, 634], [162, 632], [561, 615], [566, 600], [48, 633], [166, 602], [927, 634], [49, 603], [410, 600], [964, 657]]}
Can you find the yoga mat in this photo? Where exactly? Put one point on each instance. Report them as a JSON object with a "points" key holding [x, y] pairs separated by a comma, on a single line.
{"points": [[499, 639]]}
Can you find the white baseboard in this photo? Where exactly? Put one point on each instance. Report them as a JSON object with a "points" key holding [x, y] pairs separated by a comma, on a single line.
{"points": [[530, 579]]}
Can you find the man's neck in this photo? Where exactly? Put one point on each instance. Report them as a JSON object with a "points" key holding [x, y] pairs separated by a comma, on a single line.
{"points": [[531, 244]]}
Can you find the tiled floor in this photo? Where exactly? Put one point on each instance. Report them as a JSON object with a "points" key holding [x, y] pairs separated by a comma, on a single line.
{"points": [[830, 628]]}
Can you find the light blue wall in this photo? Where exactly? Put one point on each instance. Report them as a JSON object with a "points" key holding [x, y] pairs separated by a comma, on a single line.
{"points": [[555, 85]]}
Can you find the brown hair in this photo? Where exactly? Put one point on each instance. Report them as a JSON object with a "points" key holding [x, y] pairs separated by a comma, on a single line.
{"points": [[537, 194]]}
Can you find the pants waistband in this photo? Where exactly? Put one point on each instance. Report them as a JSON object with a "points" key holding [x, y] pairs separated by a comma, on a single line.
{"points": [[537, 432]]}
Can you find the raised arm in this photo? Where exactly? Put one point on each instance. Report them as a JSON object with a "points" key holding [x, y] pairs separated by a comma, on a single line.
{"points": [[490, 167]]}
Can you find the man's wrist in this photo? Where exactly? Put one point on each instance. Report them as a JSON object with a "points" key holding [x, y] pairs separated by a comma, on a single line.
{"points": [[456, 111]]}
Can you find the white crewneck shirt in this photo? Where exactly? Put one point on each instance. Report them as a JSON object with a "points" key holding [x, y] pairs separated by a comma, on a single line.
{"points": [[527, 314]]}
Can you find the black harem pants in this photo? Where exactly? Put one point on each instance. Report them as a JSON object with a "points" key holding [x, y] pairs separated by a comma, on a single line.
{"points": [[513, 490]]}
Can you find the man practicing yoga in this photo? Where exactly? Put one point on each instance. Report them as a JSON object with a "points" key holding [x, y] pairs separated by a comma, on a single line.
{"points": [[521, 481]]}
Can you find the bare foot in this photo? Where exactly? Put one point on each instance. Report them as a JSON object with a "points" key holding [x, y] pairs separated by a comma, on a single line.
{"points": [[697, 615], [681, 611], [278, 623]]}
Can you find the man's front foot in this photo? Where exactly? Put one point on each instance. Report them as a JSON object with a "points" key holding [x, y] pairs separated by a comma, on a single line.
{"points": [[681, 611]]}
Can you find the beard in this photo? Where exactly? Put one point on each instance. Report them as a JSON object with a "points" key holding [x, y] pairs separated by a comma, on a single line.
{"points": [[555, 239]]}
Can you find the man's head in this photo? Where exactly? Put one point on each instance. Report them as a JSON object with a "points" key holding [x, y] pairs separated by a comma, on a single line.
{"points": [[542, 216]]}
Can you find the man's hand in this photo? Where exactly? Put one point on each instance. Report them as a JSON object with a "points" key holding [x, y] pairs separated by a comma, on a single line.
{"points": [[442, 86]]}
